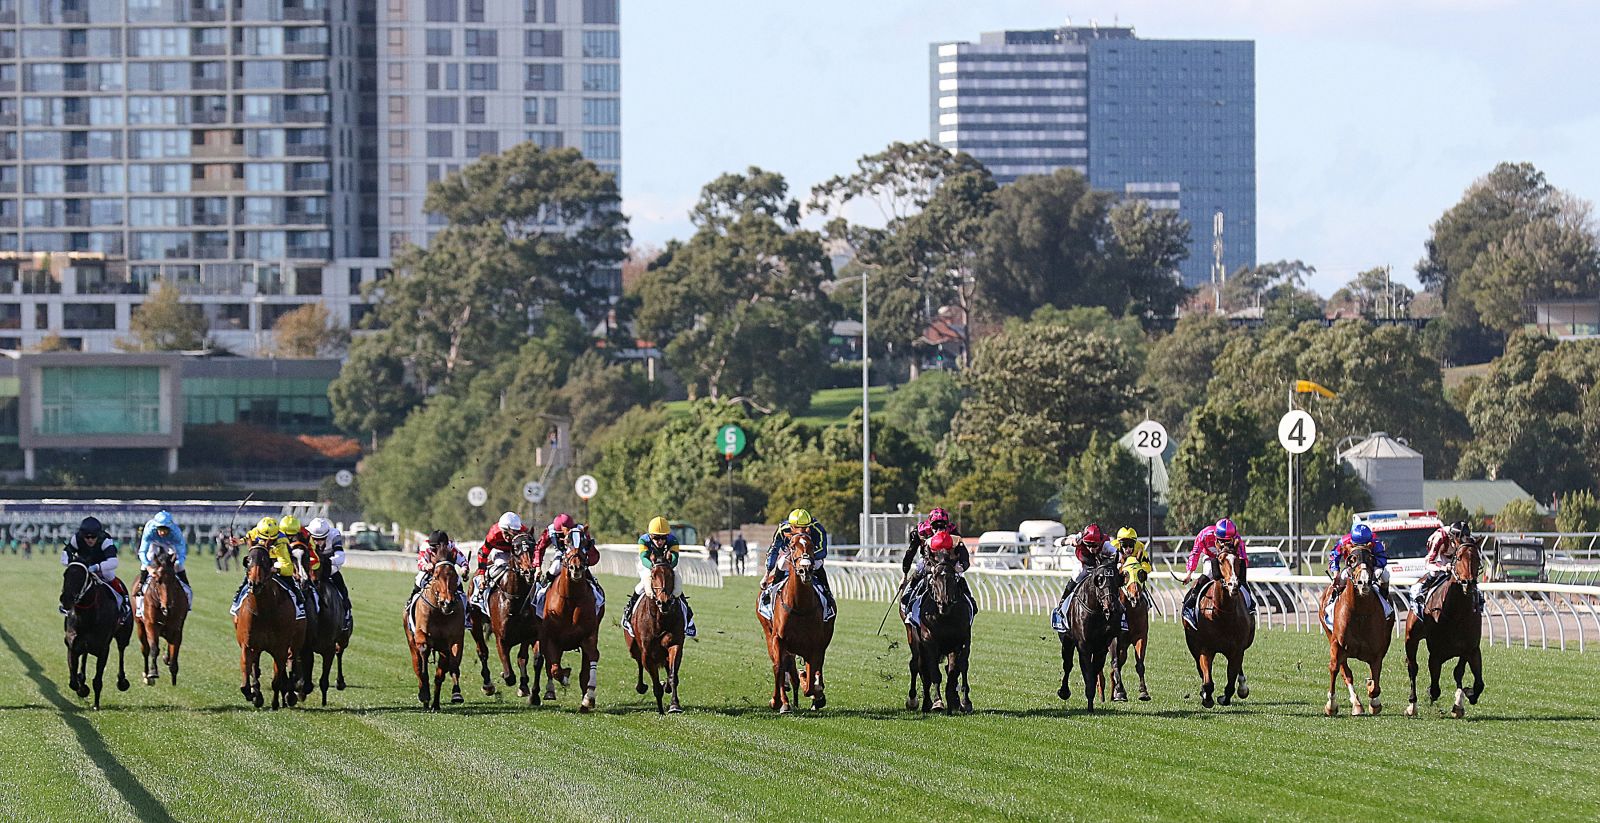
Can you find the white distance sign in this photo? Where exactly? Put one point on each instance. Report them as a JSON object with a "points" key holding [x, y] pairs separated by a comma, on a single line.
{"points": [[533, 491], [1150, 439], [344, 478], [1297, 432], [477, 496], [586, 487]]}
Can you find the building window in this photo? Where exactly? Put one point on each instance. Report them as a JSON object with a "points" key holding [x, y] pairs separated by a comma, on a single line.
{"points": [[480, 143], [397, 208], [542, 43], [397, 176], [438, 42], [602, 111], [477, 109], [397, 107], [475, 11], [482, 43], [483, 77], [530, 110], [443, 110], [602, 145], [397, 41], [604, 44], [397, 142], [439, 144], [430, 74], [545, 139], [397, 73], [544, 77], [602, 77], [550, 109], [600, 12], [441, 11]]}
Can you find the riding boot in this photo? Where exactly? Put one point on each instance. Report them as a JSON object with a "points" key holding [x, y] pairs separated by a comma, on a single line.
{"points": [[138, 586], [627, 611], [830, 606]]}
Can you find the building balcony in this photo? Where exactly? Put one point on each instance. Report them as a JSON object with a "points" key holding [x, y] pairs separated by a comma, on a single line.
{"points": [[305, 117], [317, 14], [211, 151], [75, 118], [200, 14], [208, 49], [305, 49], [203, 219], [303, 83], [75, 84], [208, 83], [218, 184], [212, 252], [307, 150], [78, 187]]}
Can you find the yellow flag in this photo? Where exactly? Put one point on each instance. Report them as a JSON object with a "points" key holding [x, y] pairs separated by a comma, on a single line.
{"points": [[1308, 387]]}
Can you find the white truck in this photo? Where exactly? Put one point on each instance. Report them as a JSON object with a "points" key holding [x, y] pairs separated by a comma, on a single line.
{"points": [[1001, 550], [1405, 534], [1042, 536]]}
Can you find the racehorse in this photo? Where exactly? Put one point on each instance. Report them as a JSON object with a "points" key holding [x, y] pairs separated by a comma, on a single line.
{"points": [[1136, 608], [435, 624], [327, 634], [1360, 629], [166, 607], [571, 622], [657, 638], [797, 629], [511, 619], [943, 634], [1093, 620], [1451, 624], [266, 623], [1223, 625], [93, 621]]}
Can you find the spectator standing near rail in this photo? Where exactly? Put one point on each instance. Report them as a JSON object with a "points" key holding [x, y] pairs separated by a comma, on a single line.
{"points": [[740, 550]]}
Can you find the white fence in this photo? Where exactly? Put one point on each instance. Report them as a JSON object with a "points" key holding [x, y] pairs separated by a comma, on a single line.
{"points": [[616, 558], [1543, 615]]}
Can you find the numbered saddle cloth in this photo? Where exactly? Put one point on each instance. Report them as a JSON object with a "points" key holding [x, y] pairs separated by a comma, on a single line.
{"points": [[1327, 611], [911, 605], [769, 595], [1058, 615], [543, 588]]}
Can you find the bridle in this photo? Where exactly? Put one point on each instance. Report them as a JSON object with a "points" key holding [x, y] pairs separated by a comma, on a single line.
{"points": [[1227, 557], [1358, 569], [1463, 547], [89, 581], [941, 580], [442, 604]]}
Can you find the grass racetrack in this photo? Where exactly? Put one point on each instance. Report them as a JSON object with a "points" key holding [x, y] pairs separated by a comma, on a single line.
{"points": [[1529, 749]]}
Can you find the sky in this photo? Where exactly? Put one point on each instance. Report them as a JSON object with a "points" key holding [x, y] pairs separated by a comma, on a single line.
{"points": [[1372, 116]]}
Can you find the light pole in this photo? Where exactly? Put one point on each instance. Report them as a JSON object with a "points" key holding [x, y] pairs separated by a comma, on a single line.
{"points": [[866, 415]]}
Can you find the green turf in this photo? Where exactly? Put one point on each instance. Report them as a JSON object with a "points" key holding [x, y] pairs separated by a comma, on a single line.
{"points": [[828, 406], [197, 752]]}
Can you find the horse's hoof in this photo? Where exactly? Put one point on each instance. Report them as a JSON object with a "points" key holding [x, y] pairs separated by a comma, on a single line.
{"points": [[83, 691], [584, 708], [149, 681], [1458, 712], [1328, 709], [1411, 710], [522, 691], [1244, 691], [1064, 693], [784, 709], [122, 684], [1207, 702], [550, 695], [339, 685], [820, 701], [1225, 700], [457, 698], [1355, 710], [1472, 696], [911, 704], [488, 690], [423, 697], [1433, 695], [641, 687], [1144, 696], [533, 699], [938, 705], [1377, 707], [674, 709], [966, 707], [509, 680]]}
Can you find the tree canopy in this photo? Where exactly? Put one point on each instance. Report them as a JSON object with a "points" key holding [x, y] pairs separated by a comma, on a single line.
{"points": [[163, 322]]}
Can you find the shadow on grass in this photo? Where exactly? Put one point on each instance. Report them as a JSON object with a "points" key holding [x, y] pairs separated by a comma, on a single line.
{"points": [[144, 804]]}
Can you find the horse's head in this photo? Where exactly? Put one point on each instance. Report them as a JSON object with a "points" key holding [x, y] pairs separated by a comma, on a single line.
{"points": [[578, 544], [163, 562], [75, 582], [1103, 583], [1467, 564], [442, 584], [1132, 579], [663, 579], [258, 566], [1228, 564], [943, 581], [1359, 569], [801, 545], [522, 556]]}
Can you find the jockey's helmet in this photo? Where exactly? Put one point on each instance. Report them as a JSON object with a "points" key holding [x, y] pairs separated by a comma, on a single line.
{"points": [[90, 527], [438, 538], [938, 515], [800, 518], [1093, 536], [659, 527], [289, 526], [1460, 530], [1226, 530], [1361, 535], [267, 526], [1127, 534], [563, 522], [320, 528], [510, 522]]}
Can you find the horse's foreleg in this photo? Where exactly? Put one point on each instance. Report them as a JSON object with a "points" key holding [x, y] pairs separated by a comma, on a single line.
{"points": [[1138, 665], [99, 674], [244, 672], [453, 668], [339, 669], [1119, 658], [1435, 669], [1065, 692], [780, 686], [419, 664], [507, 675], [482, 647], [916, 670], [1475, 660], [552, 666], [952, 692], [674, 663], [1203, 662], [322, 683], [818, 691], [1350, 685], [438, 681], [1411, 670], [964, 657], [538, 672], [591, 673], [1333, 678], [1375, 686], [172, 659], [522, 669], [1459, 707], [1090, 673]]}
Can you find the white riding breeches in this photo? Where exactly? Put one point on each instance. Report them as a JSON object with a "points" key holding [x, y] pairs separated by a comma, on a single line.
{"points": [[644, 584]]}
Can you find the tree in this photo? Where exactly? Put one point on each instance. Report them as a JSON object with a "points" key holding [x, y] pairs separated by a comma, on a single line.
{"points": [[924, 407], [1452, 510], [309, 331], [1374, 294], [1277, 289], [1326, 484], [990, 498], [1104, 484], [1552, 256], [832, 493], [371, 394], [1180, 366], [1578, 512], [1517, 516], [740, 306], [163, 322], [1051, 239], [52, 342], [1125, 329], [1210, 475], [1338, 520]]}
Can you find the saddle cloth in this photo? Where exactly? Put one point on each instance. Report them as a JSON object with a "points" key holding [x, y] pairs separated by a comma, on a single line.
{"points": [[769, 596]]}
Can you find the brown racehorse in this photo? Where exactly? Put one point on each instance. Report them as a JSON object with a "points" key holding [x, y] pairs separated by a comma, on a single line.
{"points": [[1360, 630], [657, 638], [1453, 628], [511, 618], [93, 621], [266, 623], [797, 628], [166, 607], [1223, 625], [571, 622], [1136, 606], [436, 624], [327, 635]]}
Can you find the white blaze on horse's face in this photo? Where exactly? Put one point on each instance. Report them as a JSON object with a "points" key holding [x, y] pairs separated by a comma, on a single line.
{"points": [[802, 568]]}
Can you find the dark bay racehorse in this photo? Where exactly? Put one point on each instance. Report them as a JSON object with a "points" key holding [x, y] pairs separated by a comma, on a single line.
{"points": [[437, 626], [1453, 628], [93, 621], [571, 623], [657, 639], [944, 635], [327, 635], [1093, 620], [1136, 606], [266, 623], [511, 619], [166, 607], [1223, 625], [1360, 629], [797, 629]]}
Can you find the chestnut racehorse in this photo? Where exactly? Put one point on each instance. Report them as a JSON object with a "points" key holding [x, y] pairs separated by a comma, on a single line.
{"points": [[657, 639], [1223, 625], [436, 625], [571, 622], [266, 623], [1360, 629], [511, 619], [327, 635], [1451, 624], [797, 628], [93, 621], [166, 607], [1136, 606]]}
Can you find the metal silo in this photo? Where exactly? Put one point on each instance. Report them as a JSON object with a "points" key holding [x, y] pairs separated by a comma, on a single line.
{"points": [[1390, 469]]}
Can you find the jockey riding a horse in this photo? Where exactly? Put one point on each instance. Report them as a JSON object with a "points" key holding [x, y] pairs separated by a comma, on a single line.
{"points": [[1442, 547], [553, 536], [659, 544], [800, 521], [1361, 535], [1135, 558], [1206, 556], [1090, 547], [438, 548], [939, 545], [268, 534], [91, 546], [494, 557], [328, 542], [917, 536], [162, 530]]}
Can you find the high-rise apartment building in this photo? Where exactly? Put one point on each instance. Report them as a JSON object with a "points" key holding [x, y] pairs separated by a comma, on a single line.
{"points": [[1169, 121], [262, 154]]}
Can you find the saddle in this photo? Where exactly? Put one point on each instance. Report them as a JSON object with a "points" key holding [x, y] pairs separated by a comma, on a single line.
{"points": [[543, 588], [769, 596]]}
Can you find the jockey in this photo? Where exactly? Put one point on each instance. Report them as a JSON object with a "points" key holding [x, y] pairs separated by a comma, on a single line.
{"points": [[1361, 535], [94, 548], [1206, 556], [1090, 547], [1442, 547], [495, 552], [658, 543], [268, 534], [161, 530], [328, 542], [439, 546], [553, 536], [917, 536], [800, 521], [306, 559], [1133, 551], [941, 543]]}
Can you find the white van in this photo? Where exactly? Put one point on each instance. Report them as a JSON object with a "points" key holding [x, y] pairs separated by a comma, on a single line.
{"points": [[1001, 550], [1042, 536]]}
